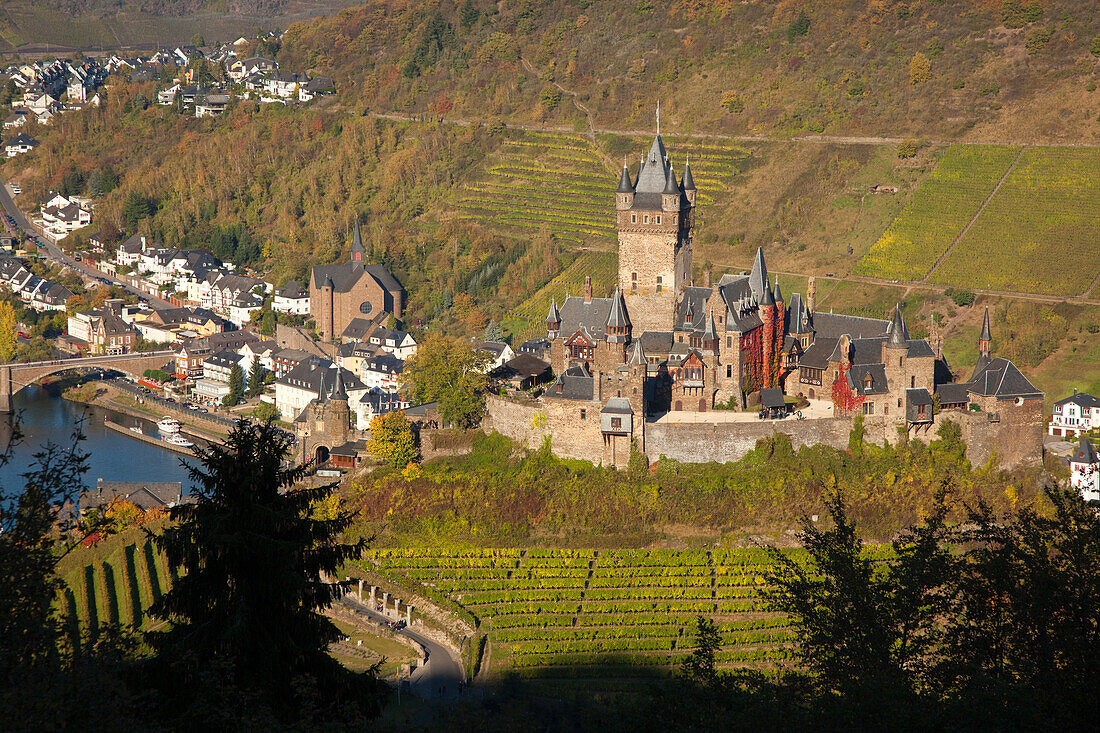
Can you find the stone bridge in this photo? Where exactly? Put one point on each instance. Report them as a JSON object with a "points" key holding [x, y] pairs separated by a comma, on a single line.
{"points": [[14, 377]]}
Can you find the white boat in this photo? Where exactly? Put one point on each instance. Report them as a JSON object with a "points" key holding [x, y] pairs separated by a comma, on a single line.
{"points": [[177, 439], [137, 429], [168, 425]]}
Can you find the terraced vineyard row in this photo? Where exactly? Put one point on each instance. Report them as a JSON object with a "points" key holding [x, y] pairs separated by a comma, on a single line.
{"points": [[607, 614], [114, 586], [528, 319]]}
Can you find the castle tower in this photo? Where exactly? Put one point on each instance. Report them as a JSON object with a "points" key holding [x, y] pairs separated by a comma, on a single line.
{"points": [[655, 217], [337, 412], [553, 321], [768, 316], [895, 349], [811, 295], [616, 333], [935, 339]]}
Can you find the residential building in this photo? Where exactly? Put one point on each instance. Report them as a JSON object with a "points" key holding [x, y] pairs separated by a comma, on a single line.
{"points": [[392, 341], [498, 351], [62, 216], [103, 330], [382, 372], [216, 370], [1084, 471], [291, 298], [21, 143], [1075, 415]]}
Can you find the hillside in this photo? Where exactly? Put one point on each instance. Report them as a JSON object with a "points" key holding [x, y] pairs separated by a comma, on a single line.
{"points": [[974, 70]]}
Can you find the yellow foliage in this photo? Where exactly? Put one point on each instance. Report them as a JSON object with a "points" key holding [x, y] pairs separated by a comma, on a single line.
{"points": [[920, 69]]}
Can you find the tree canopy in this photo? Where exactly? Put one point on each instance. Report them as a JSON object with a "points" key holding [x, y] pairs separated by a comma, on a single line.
{"points": [[452, 373]]}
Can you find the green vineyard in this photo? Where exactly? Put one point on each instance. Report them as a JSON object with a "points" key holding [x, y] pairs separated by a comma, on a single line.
{"points": [[113, 582], [563, 615], [528, 319], [938, 212]]}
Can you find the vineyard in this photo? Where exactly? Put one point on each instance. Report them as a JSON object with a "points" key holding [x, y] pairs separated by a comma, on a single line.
{"points": [[114, 582], [1040, 233], [568, 615], [938, 212], [528, 319], [542, 180]]}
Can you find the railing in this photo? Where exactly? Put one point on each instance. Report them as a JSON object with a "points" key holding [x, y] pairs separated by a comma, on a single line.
{"points": [[90, 359]]}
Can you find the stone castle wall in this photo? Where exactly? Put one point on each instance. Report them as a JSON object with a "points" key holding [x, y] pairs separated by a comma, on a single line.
{"points": [[726, 442]]}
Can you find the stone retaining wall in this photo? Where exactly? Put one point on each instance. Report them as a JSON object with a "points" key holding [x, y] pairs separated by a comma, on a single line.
{"points": [[730, 441]]}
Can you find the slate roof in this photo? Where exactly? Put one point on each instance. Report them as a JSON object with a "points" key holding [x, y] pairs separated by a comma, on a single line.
{"points": [[144, 494], [835, 325], [293, 290], [575, 383], [1085, 453], [360, 328], [346, 275], [618, 406], [576, 315], [818, 354], [857, 376], [1001, 379], [317, 375], [657, 342], [383, 364], [953, 393], [914, 399], [772, 397], [1081, 399], [523, 366], [22, 139], [796, 315]]}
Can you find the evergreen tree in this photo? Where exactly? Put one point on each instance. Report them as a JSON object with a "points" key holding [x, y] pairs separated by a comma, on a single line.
{"points": [[236, 386], [268, 323], [135, 208], [255, 379], [245, 613], [699, 665]]}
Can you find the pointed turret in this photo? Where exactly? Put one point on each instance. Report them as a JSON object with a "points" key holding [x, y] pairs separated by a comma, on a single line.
{"points": [[617, 328], [637, 355], [758, 277], [768, 299], [899, 336], [553, 320], [985, 340], [328, 282], [710, 333], [1085, 453], [776, 292], [625, 184], [338, 392], [670, 182], [322, 395], [688, 183]]}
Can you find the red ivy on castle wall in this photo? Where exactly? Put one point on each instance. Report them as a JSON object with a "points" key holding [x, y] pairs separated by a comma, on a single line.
{"points": [[845, 400]]}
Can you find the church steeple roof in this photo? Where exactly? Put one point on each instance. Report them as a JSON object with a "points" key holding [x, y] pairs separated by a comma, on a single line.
{"points": [[357, 251], [625, 184], [899, 334], [987, 335], [777, 293]]}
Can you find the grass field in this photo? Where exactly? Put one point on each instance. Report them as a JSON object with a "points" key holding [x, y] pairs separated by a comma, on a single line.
{"points": [[937, 213], [1040, 233], [113, 582], [603, 615]]}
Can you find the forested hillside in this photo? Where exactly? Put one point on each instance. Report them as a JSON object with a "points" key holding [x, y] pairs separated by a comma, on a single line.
{"points": [[979, 69]]}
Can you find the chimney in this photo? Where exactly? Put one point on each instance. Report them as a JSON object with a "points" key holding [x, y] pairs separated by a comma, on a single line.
{"points": [[811, 295], [706, 278], [587, 289]]}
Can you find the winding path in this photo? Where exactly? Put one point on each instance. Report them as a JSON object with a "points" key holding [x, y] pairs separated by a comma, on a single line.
{"points": [[441, 671]]}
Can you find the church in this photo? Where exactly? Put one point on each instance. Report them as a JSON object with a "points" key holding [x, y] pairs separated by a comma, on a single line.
{"points": [[662, 346]]}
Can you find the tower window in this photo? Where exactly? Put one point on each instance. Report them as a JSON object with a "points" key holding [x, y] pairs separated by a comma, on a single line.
{"points": [[659, 284], [729, 370], [729, 342], [646, 219], [912, 382], [658, 218], [633, 281], [583, 413], [633, 218]]}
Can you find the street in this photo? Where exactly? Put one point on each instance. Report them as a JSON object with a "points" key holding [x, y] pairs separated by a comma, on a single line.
{"points": [[54, 253]]}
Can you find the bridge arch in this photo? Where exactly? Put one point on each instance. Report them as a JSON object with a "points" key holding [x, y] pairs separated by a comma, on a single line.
{"points": [[16, 376]]}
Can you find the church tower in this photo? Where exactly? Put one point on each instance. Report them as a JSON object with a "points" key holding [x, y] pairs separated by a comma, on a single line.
{"points": [[656, 214]]}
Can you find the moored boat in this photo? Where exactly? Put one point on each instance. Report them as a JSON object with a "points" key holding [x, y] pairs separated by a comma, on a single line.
{"points": [[168, 425], [178, 440]]}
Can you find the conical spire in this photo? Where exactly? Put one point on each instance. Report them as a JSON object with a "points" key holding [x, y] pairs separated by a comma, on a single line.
{"points": [[328, 282], [987, 335], [777, 293], [553, 316], [688, 182], [898, 333], [1085, 452], [670, 182], [322, 395], [758, 277], [710, 333], [617, 317], [338, 392], [767, 298], [625, 185], [637, 355]]}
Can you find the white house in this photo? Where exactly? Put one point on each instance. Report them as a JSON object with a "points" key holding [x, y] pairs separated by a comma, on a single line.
{"points": [[1075, 415], [210, 105], [242, 68], [62, 216], [499, 352], [283, 85], [129, 252], [382, 372], [167, 96], [398, 343], [21, 143], [1084, 469], [291, 298]]}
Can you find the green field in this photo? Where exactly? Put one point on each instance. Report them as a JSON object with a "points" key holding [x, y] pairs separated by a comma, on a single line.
{"points": [[562, 615], [113, 582], [937, 213], [1040, 233]]}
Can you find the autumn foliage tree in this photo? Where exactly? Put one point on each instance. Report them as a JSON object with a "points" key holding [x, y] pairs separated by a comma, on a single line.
{"points": [[392, 439], [845, 398]]}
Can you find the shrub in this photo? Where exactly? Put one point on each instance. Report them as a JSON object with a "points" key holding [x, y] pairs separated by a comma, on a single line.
{"points": [[907, 148], [732, 102], [920, 68], [800, 26], [961, 296]]}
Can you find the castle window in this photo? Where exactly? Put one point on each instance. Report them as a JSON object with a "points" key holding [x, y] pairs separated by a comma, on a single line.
{"points": [[729, 342], [646, 219], [633, 218], [616, 423], [868, 408], [583, 413], [635, 390], [633, 281], [899, 402], [900, 360], [658, 218], [912, 382], [659, 288], [886, 409], [729, 370]]}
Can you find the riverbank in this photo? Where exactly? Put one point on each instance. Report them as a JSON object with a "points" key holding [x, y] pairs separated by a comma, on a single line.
{"points": [[147, 439], [107, 396]]}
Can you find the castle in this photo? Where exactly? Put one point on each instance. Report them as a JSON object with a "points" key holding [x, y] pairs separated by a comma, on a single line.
{"points": [[638, 367]]}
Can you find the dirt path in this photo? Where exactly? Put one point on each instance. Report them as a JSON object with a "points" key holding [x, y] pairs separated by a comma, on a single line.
{"points": [[977, 214]]}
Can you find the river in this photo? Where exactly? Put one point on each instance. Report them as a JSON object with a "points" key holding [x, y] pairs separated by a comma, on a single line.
{"points": [[112, 456]]}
